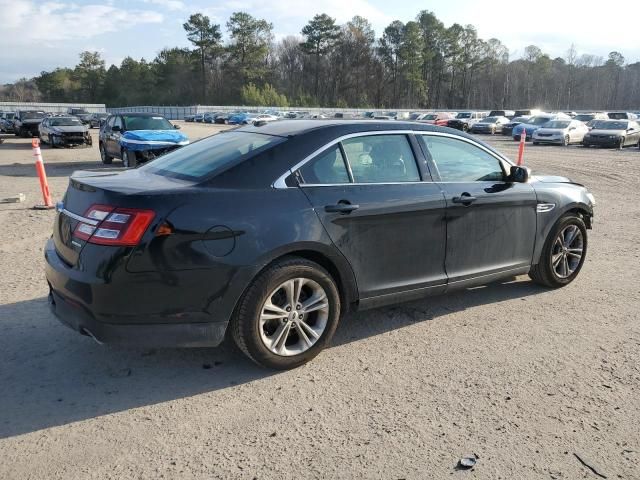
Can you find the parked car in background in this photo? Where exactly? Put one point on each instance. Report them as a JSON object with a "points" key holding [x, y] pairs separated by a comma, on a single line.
{"points": [[96, 119], [64, 131], [613, 133], [81, 113], [138, 137], [587, 117], [385, 116], [437, 118], [189, 118], [265, 118], [502, 113], [270, 234], [560, 132], [508, 128], [622, 116], [26, 122], [535, 123], [221, 118], [491, 124], [210, 117], [6, 122], [465, 120], [242, 118], [198, 117]]}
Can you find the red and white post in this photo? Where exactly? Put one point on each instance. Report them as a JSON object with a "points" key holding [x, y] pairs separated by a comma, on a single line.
{"points": [[523, 140], [42, 176]]}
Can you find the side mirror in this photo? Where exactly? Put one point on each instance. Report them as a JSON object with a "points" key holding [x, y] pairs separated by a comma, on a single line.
{"points": [[115, 128], [519, 174], [177, 127]]}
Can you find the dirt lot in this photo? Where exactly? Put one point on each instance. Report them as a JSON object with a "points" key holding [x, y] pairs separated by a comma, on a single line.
{"points": [[523, 377]]}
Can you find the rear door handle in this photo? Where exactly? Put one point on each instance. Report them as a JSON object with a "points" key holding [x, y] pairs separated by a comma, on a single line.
{"points": [[464, 199], [343, 208]]}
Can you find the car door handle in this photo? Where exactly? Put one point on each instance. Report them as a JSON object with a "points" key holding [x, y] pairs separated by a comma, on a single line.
{"points": [[464, 199], [341, 208]]}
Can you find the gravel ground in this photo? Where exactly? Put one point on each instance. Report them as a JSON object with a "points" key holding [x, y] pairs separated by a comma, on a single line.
{"points": [[525, 378]]}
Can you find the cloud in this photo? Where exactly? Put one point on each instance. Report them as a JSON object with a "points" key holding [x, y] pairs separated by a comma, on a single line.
{"points": [[25, 22], [168, 4]]}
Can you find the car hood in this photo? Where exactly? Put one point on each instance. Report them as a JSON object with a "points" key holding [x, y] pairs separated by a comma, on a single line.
{"points": [[607, 132], [152, 139], [552, 179], [69, 128], [31, 121]]}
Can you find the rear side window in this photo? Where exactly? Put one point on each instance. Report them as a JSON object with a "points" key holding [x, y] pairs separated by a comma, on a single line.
{"points": [[381, 159], [326, 168], [459, 161], [211, 155]]}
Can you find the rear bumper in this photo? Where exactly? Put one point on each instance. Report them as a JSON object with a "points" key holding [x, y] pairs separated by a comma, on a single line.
{"points": [[158, 335], [89, 306]]}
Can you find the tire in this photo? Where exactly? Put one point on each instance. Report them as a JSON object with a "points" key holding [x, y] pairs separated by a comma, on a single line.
{"points": [[465, 127], [50, 141], [566, 141], [544, 273], [252, 334], [621, 144], [129, 159], [106, 159]]}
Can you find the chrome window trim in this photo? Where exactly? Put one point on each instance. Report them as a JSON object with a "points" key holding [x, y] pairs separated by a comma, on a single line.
{"points": [[80, 218], [280, 182]]}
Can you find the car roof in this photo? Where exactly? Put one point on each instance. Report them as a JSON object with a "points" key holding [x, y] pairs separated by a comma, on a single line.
{"points": [[292, 128], [136, 114]]}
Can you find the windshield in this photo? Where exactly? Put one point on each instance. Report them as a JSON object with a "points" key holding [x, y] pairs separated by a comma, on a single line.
{"points": [[32, 115], [557, 124], [618, 116], [64, 122], [489, 120], [146, 123], [609, 125], [9, 116], [431, 116], [415, 116], [211, 155], [464, 115], [584, 117], [538, 120]]}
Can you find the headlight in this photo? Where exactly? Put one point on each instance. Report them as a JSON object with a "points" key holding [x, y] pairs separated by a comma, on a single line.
{"points": [[591, 198]]}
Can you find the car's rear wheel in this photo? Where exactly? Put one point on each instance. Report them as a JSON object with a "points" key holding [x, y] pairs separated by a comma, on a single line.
{"points": [[129, 159], [563, 253], [106, 159], [287, 315]]}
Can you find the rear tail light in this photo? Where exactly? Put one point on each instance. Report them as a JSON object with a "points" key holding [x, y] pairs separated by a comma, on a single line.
{"points": [[114, 226]]}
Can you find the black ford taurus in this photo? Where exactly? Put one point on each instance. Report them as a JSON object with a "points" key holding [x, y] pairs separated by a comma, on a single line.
{"points": [[275, 231]]}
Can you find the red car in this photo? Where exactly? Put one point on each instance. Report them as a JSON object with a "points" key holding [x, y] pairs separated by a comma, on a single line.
{"points": [[438, 118]]}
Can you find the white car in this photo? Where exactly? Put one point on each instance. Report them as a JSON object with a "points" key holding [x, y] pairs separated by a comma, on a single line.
{"points": [[560, 132], [265, 117]]}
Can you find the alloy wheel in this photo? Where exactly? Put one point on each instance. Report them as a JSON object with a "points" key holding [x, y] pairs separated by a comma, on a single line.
{"points": [[294, 316], [567, 251]]}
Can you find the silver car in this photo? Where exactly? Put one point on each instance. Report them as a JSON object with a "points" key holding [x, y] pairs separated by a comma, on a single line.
{"points": [[560, 132], [64, 131]]}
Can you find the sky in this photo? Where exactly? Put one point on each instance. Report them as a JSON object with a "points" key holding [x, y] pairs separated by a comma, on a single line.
{"points": [[39, 36]]}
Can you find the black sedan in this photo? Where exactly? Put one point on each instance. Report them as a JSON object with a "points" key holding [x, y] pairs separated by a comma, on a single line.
{"points": [[274, 232]]}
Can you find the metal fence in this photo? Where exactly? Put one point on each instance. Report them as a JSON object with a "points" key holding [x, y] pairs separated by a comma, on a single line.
{"points": [[51, 107]]}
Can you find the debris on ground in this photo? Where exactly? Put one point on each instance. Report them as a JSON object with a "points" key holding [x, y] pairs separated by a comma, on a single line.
{"points": [[589, 465], [468, 461], [21, 197]]}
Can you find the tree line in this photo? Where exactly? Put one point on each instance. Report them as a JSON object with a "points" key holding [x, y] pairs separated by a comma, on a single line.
{"points": [[417, 64]]}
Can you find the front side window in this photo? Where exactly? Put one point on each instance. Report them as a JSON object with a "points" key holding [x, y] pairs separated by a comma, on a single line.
{"points": [[460, 161], [381, 159], [327, 168]]}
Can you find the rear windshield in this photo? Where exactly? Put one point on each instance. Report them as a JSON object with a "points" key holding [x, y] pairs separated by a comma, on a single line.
{"points": [[538, 120], [609, 125], [618, 116], [431, 116], [557, 124], [64, 122], [32, 115], [584, 117], [464, 115], [211, 155], [146, 123]]}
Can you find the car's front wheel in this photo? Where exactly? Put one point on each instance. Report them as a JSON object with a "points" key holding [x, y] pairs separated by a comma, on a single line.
{"points": [[287, 315], [563, 253], [129, 159]]}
